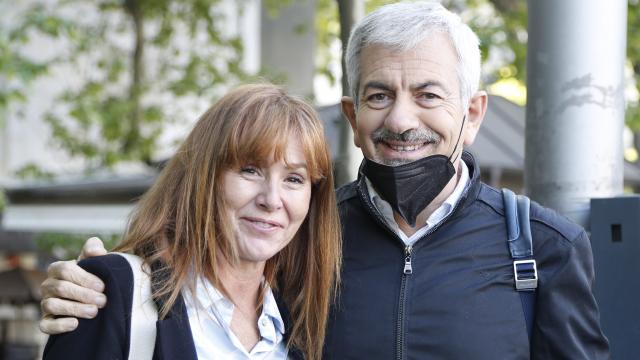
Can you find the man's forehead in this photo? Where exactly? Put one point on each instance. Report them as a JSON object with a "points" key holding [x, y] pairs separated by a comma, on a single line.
{"points": [[427, 65], [433, 42]]}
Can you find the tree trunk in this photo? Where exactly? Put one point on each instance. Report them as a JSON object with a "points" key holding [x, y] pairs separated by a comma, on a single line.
{"points": [[137, 77], [350, 12]]}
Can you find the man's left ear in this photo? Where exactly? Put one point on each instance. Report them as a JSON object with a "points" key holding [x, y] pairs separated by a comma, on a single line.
{"points": [[475, 114]]}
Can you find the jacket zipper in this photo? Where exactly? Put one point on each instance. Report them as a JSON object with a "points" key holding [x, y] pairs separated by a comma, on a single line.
{"points": [[408, 268]]}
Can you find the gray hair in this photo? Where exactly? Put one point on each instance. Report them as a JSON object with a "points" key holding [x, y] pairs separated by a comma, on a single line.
{"points": [[402, 27]]}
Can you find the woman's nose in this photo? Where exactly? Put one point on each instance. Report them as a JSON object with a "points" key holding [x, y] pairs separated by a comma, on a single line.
{"points": [[270, 197]]}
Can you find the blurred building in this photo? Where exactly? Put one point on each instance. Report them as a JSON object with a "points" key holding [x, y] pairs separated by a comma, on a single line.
{"points": [[20, 312], [19, 297]]}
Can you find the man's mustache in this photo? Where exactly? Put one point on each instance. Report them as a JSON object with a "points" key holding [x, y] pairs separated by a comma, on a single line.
{"points": [[412, 135]]}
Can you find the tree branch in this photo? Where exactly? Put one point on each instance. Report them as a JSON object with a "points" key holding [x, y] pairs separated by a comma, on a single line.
{"points": [[133, 8]]}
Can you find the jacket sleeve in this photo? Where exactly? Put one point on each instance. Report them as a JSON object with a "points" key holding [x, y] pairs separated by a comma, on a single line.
{"points": [[567, 319], [107, 335]]}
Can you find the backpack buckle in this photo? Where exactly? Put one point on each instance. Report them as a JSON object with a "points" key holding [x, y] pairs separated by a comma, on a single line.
{"points": [[526, 275]]}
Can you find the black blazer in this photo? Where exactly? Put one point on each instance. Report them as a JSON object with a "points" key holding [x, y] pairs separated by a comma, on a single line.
{"points": [[107, 335]]}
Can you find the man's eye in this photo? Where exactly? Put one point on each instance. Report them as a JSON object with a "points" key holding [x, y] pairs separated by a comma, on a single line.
{"points": [[377, 97], [379, 100], [429, 99], [429, 96]]}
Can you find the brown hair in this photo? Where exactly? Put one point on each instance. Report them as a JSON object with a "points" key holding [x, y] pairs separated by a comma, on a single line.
{"points": [[181, 221]]}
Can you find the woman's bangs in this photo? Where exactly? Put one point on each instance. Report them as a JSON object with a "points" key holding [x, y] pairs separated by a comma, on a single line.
{"points": [[262, 135], [258, 137]]}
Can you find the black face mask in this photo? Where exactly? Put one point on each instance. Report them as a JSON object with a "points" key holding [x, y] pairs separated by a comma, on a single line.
{"points": [[411, 187]]}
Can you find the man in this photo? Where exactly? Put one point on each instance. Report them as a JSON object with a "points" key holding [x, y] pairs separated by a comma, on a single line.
{"points": [[427, 271]]}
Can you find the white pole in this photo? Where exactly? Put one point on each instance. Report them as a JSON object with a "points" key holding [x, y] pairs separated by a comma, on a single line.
{"points": [[575, 103]]}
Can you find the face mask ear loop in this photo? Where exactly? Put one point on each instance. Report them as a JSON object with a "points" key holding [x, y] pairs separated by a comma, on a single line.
{"points": [[458, 141]]}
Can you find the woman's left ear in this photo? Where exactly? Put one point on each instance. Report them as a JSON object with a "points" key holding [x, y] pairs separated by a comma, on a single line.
{"points": [[475, 114]]}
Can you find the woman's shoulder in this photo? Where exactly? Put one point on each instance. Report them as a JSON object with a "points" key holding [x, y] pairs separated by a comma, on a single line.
{"points": [[111, 269], [107, 335], [111, 260]]}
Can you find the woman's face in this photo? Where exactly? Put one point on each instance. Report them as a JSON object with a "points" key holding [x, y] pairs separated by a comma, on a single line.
{"points": [[267, 204]]}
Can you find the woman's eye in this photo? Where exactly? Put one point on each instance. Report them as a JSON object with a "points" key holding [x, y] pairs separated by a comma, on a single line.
{"points": [[250, 170], [296, 179]]}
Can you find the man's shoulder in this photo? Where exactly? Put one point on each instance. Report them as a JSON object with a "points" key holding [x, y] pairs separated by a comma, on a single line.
{"points": [[346, 192], [550, 220], [542, 218]]}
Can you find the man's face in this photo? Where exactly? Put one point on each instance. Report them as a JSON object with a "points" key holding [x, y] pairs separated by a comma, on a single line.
{"points": [[409, 102]]}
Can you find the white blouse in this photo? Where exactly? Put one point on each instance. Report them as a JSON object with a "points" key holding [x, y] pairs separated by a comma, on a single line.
{"points": [[210, 320]]}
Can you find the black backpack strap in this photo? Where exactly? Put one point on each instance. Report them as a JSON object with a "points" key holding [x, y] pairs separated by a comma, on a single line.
{"points": [[525, 272]]}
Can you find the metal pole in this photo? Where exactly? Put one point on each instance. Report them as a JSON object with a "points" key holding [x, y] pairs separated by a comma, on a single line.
{"points": [[575, 103]]}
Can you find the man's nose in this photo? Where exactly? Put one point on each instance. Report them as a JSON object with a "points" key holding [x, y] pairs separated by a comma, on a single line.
{"points": [[402, 117], [270, 196]]}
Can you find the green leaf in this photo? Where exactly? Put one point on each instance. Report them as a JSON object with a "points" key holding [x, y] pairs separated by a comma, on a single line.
{"points": [[107, 117]]}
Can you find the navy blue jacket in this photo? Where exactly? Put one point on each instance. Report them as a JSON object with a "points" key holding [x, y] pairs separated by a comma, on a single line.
{"points": [[460, 302], [107, 335]]}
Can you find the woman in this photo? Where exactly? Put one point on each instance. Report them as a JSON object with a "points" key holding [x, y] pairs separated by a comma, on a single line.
{"points": [[246, 206]]}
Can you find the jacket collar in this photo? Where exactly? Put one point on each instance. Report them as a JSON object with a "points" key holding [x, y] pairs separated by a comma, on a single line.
{"points": [[474, 180], [173, 335]]}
